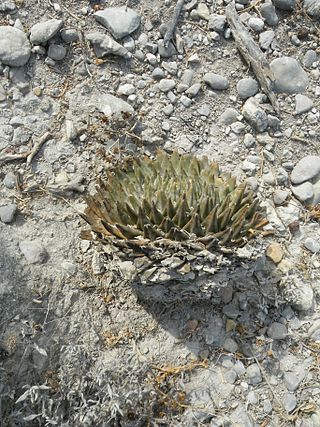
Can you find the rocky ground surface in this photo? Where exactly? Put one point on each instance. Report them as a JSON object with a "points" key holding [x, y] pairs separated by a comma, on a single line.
{"points": [[78, 345]]}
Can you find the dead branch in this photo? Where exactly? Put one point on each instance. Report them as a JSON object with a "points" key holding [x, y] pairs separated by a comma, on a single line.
{"points": [[173, 23], [37, 146], [252, 55]]}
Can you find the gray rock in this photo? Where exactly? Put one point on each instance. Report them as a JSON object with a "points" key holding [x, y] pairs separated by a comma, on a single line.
{"points": [[303, 192], [306, 169], [238, 127], [185, 100], [166, 52], [15, 48], [204, 110], [247, 87], [168, 110], [280, 196], [104, 45], [113, 107], [9, 180], [277, 331], [7, 6], [240, 417], [71, 132], [214, 332], [120, 21], [300, 295], [216, 81], [171, 67], [230, 115], [126, 89], [255, 115], [265, 39], [253, 374], [303, 104], [203, 11], [256, 24], [158, 73], [8, 213], [285, 4], [268, 12], [33, 251], [291, 381], [312, 7], [43, 31], [57, 52], [166, 84], [309, 58], [231, 346], [289, 75], [187, 77], [217, 23], [311, 244], [289, 402], [193, 90], [69, 35], [129, 43]]}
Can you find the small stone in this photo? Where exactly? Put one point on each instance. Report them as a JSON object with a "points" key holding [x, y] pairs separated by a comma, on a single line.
{"points": [[71, 132], [265, 39], [285, 4], [229, 116], [256, 24], [267, 406], [194, 59], [166, 84], [113, 107], [309, 58], [303, 104], [277, 331], [158, 73], [274, 252], [301, 296], [7, 6], [166, 52], [126, 89], [249, 140], [57, 52], [186, 101], [203, 11], [230, 345], [69, 35], [37, 91], [217, 23], [268, 12], [8, 213], [247, 87], [69, 267], [306, 169], [290, 77], [253, 374], [33, 251], [289, 402], [187, 77], [43, 31], [129, 43], [255, 115], [104, 45], [311, 244], [193, 90], [15, 48], [9, 180], [204, 110], [238, 127], [280, 196], [120, 21], [291, 381], [171, 67], [168, 110], [216, 81], [303, 192]]}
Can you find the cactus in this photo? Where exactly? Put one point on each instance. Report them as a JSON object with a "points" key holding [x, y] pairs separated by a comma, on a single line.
{"points": [[173, 198]]}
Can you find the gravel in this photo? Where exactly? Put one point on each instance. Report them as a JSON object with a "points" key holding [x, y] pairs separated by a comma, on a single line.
{"points": [[306, 169], [42, 32], [290, 77], [216, 81]]}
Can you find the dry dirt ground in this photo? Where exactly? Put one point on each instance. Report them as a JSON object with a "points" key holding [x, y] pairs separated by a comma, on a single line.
{"points": [[78, 345]]}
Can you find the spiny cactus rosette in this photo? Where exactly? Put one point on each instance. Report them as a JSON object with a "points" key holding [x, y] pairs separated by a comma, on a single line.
{"points": [[172, 207]]}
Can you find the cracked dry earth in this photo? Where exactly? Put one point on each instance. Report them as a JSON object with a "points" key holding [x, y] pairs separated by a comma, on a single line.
{"points": [[82, 86]]}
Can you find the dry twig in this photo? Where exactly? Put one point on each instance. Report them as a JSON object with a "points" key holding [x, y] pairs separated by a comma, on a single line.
{"points": [[173, 23], [252, 54]]}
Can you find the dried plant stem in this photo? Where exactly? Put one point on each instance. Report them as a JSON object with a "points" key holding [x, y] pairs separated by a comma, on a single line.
{"points": [[173, 23]]}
